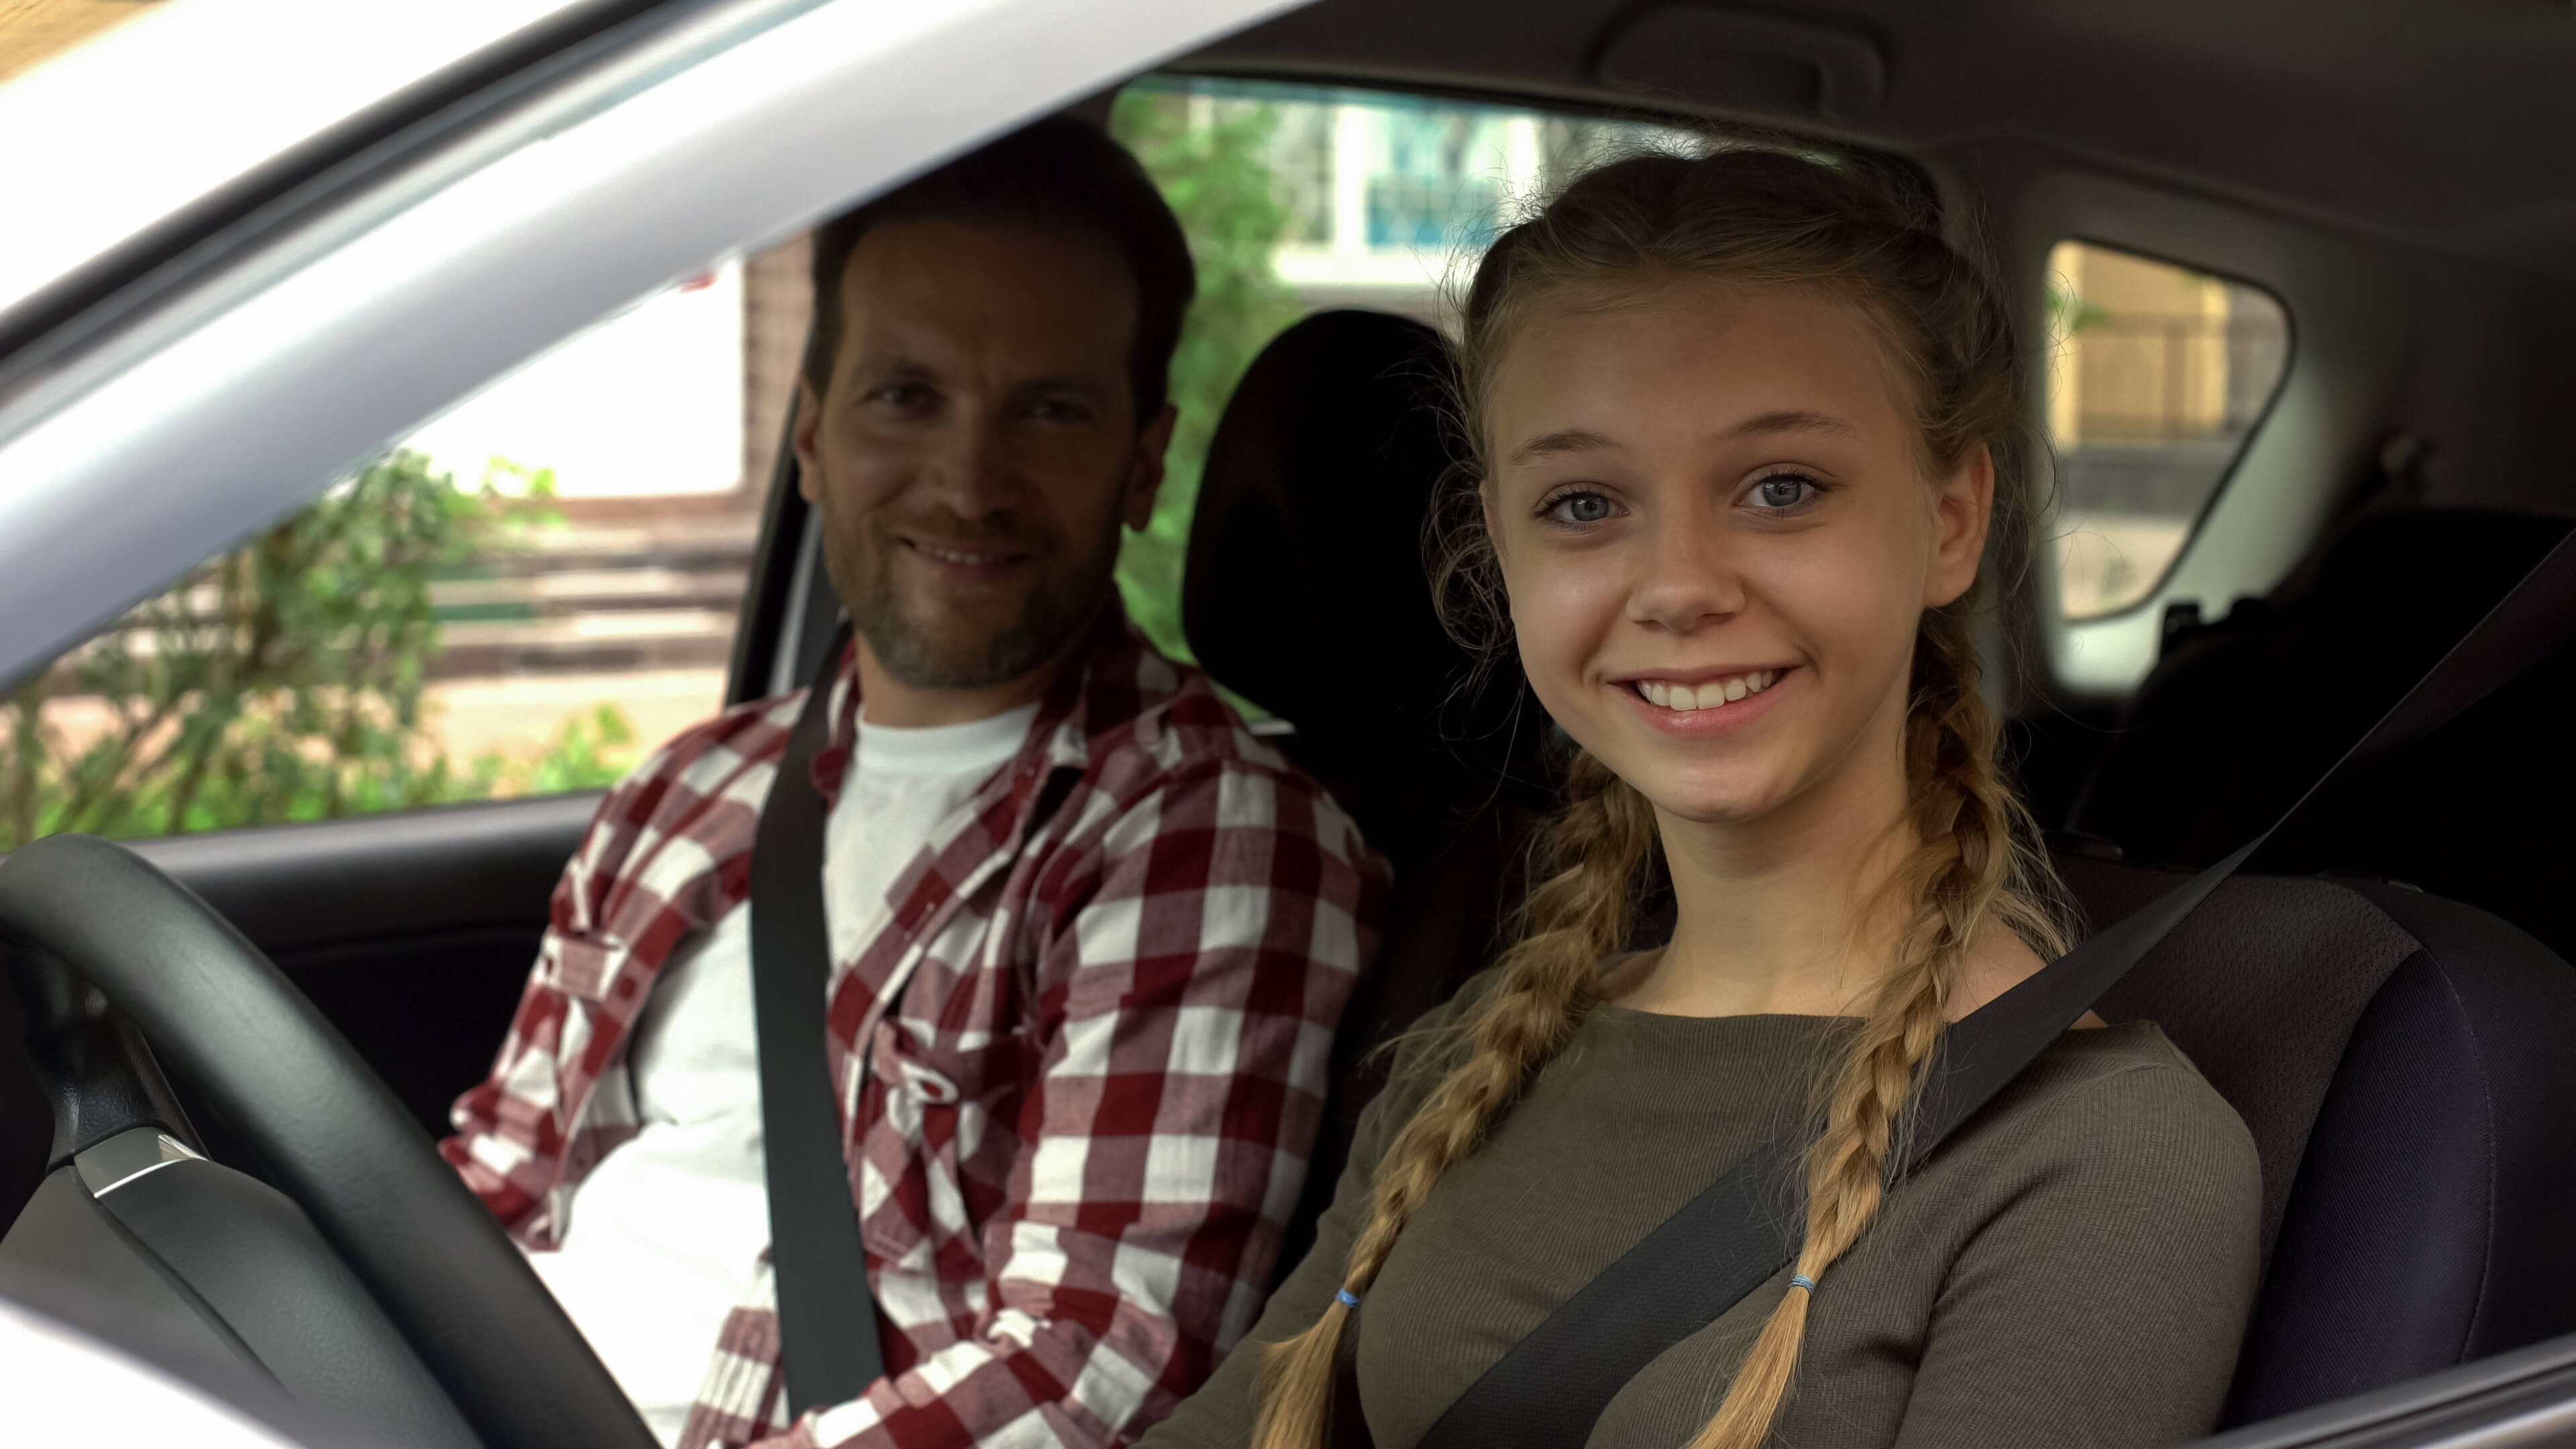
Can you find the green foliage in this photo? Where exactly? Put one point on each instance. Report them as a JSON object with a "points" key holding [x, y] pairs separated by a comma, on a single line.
{"points": [[589, 752], [1217, 178], [284, 680]]}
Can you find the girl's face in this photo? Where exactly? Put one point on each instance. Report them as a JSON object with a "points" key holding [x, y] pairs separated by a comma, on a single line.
{"points": [[1712, 515]]}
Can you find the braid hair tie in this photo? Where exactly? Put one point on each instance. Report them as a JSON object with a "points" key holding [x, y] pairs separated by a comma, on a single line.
{"points": [[1801, 1280], [1348, 1298]]}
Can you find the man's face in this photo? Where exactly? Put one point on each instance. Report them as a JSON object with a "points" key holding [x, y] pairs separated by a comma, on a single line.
{"points": [[977, 447]]}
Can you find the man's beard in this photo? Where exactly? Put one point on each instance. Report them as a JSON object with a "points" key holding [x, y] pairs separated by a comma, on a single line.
{"points": [[1066, 587]]}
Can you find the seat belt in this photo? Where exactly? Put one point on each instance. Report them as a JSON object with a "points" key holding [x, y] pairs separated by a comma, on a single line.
{"points": [[1548, 1390], [827, 1318]]}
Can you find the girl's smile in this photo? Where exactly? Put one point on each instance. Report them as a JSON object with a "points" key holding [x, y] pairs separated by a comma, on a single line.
{"points": [[1702, 704]]}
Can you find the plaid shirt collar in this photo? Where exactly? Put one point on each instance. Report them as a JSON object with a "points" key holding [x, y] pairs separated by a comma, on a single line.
{"points": [[1100, 662]]}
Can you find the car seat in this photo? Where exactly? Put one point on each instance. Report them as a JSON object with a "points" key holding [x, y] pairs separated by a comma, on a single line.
{"points": [[2241, 714], [1305, 592], [2403, 1064], [2401, 1060]]}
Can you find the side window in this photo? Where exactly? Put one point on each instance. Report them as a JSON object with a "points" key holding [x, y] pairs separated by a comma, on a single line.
{"points": [[2157, 377], [1299, 199], [521, 597]]}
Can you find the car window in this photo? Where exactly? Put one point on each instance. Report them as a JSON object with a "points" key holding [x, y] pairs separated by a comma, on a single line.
{"points": [[518, 598], [2158, 375], [1300, 199]]}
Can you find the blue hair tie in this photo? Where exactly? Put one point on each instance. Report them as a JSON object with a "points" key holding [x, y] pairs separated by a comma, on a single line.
{"points": [[1349, 1298], [1801, 1280]]}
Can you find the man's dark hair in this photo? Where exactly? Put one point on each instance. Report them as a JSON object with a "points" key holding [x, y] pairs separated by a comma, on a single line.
{"points": [[1060, 173]]}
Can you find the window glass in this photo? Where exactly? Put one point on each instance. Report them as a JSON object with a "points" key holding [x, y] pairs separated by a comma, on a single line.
{"points": [[2157, 378], [519, 598], [1299, 199]]}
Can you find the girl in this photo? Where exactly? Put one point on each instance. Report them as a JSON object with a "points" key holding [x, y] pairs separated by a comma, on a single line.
{"points": [[1746, 436]]}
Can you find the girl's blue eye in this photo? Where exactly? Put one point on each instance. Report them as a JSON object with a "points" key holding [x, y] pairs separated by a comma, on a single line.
{"points": [[1581, 508], [1785, 491]]}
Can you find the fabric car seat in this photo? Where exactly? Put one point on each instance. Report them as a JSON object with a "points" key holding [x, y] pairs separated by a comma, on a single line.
{"points": [[2400, 1060], [1305, 593], [2239, 715], [2403, 1063]]}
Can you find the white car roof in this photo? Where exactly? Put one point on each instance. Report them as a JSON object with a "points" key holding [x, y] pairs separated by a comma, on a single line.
{"points": [[163, 110]]}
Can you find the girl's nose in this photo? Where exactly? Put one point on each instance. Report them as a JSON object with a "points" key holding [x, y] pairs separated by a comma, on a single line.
{"points": [[1688, 575]]}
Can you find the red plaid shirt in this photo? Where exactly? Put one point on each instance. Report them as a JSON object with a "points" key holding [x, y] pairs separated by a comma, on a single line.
{"points": [[1101, 1012]]}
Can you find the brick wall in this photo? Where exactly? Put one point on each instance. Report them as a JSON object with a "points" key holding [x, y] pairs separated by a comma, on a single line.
{"points": [[777, 303]]}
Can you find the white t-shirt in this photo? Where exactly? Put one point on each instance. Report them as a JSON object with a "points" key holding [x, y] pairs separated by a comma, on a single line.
{"points": [[663, 1239]]}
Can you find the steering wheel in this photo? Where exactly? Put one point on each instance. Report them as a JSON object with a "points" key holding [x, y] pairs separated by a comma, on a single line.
{"points": [[329, 1134]]}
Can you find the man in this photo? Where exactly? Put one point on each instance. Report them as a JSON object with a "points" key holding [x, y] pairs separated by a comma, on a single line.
{"points": [[1093, 934]]}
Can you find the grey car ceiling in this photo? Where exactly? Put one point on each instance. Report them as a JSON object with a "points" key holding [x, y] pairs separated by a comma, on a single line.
{"points": [[2443, 123]]}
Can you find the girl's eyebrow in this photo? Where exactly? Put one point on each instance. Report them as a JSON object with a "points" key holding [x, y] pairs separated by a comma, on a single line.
{"points": [[1578, 440], [1563, 440], [1793, 422]]}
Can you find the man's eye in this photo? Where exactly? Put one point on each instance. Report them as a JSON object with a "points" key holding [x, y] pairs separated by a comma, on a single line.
{"points": [[1579, 508], [902, 395], [1783, 491], [1060, 410]]}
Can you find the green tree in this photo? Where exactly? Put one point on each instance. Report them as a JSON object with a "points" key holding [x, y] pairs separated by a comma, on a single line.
{"points": [[1217, 177], [284, 680]]}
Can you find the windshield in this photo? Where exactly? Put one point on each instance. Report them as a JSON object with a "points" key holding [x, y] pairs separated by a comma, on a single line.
{"points": [[140, 118]]}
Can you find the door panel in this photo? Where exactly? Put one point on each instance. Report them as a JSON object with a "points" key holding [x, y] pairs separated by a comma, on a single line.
{"points": [[2525, 1399], [413, 933]]}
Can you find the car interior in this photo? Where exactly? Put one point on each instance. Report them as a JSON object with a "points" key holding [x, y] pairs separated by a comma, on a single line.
{"points": [[2384, 994]]}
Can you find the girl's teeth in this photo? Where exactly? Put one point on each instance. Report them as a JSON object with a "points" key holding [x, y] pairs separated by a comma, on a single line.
{"points": [[1664, 694]]}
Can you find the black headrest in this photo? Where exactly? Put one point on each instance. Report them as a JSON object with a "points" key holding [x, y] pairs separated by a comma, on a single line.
{"points": [[2450, 564], [2240, 715], [1305, 589]]}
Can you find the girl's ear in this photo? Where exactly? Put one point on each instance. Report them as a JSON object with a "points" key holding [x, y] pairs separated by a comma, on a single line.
{"points": [[1962, 507]]}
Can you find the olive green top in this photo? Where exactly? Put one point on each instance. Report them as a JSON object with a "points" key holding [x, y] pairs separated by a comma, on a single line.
{"points": [[2073, 1267]]}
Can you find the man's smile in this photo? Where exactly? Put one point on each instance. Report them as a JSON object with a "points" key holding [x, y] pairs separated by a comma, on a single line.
{"points": [[977, 560]]}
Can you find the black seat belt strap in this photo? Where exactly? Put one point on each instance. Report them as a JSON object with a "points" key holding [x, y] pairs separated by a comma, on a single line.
{"points": [[1548, 1391], [827, 1318]]}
